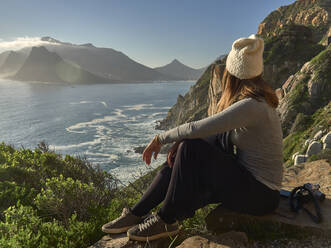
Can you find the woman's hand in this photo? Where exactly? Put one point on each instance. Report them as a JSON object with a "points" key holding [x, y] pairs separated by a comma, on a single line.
{"points": [[153, 147], [172, 154]]}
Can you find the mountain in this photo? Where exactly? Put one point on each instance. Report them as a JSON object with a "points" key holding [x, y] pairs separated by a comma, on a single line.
{"points": [[12, 63], [105, 62], [297, 62], [179, 70], [3, 57], [45, 66]]}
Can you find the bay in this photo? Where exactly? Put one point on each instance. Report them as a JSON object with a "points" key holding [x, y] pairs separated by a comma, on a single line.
{"points": [[102, 122]]}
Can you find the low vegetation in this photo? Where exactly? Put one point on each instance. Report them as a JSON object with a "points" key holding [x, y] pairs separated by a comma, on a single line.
{"points": [[50, 200]]}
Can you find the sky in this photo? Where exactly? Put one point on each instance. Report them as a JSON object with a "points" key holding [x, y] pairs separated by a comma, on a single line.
{"points": [[152, 32]]}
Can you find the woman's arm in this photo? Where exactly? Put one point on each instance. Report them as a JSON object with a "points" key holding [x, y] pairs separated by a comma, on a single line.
{"points": [[244, 113]]}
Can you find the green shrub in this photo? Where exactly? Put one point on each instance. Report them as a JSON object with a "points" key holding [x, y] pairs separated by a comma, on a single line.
{"points": [[62, 197], [50, 201], [24, 228]]}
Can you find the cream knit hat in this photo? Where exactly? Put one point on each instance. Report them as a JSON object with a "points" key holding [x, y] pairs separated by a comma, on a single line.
{"points": [[245, 60]]}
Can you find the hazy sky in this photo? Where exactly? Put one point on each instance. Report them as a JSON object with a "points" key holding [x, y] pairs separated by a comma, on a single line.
{"points": [[152, 32]]}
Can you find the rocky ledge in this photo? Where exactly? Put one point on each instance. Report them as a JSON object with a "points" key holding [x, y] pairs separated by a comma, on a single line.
{"points": [[283, 228]]}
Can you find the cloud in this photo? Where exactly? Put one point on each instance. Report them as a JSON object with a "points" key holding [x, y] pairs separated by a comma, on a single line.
{"points": [[21, 42]]}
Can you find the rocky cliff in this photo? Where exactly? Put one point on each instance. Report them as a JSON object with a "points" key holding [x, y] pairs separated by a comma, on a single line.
{"points": [[306, 91], [315, 14]]}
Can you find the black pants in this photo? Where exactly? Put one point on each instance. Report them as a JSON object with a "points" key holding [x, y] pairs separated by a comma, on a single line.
{"points": [[202, 174]]}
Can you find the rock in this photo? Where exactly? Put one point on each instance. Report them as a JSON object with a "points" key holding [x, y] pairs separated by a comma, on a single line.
{"points": [[316, 172], [307, 142], [226, 240], [327, 138], [326, 146], [298, 159], [293, 156], [280, 93], [314, 148], [304, 13], [214, 90], [318, 135], [283, 222], [121, 241], [200, 242]]}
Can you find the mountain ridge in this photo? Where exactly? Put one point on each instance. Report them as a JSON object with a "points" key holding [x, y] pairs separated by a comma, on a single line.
{"points": [[43, 65], [12, 63], [180, 70]]}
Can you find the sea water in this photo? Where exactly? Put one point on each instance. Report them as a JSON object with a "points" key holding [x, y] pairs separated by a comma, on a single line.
{"points": [[102, 122]]}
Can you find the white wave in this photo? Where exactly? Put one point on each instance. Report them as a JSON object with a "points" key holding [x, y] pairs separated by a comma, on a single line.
{"points": [[104, 104], [79, 127], [65, 147], [81, 102], [137, 106], [119, 112], [99, 154]]}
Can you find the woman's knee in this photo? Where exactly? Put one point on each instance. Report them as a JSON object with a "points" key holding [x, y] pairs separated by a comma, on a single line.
{"points": [[165, 170], [190, 144]]}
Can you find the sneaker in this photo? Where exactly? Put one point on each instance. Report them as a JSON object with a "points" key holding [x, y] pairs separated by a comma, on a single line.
{"points": [[122, 223], [152, 228]]}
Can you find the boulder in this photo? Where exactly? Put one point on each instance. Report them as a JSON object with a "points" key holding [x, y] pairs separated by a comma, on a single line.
{"points": [[307, 142], [326, 146], [327, 138], [298, 159], [293, 156], [280, 93], [318, 135], [121, 241], [283, 222], [314, 148], [226, 240]]}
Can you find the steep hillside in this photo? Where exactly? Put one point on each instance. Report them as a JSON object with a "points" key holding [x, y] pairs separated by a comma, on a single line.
{"points": [[42, 65], [192, 106], [306, 91], [12, 63], [179, 70], [293, 35], [315, 14]]}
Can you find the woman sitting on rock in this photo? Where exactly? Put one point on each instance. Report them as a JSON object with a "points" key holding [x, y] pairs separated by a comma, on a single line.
{"points": [[200, 171]]}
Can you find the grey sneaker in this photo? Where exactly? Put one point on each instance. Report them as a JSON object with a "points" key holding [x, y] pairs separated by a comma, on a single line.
{"points": [[122, 223], [152, 228]]}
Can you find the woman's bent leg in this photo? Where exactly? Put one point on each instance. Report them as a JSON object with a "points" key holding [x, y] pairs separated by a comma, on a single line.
{"points": [[155, 193], [192, 181], [203, 174]]}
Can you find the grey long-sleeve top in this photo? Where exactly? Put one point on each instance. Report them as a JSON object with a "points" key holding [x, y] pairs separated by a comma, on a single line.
{"points": [[255, 131]]}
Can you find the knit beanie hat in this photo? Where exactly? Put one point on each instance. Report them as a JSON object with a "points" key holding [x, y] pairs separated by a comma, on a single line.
{"points": [[245, 60]]}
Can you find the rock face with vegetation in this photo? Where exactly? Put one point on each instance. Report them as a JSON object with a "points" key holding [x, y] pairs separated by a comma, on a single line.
{"points": [[312, 13], [306, 91], [192, 106]]}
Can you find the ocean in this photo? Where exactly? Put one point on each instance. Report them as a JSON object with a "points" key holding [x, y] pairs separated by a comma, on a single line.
{"points": [[103, 122]]}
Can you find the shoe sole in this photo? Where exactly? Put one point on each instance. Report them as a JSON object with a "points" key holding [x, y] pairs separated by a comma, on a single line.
{"points": [[153, 237], [116, 230]]}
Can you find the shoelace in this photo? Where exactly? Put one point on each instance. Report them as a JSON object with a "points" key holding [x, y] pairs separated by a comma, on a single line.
{"points": [[148, 222]]}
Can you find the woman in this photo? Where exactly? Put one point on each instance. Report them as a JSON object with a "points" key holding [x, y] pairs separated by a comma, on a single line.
{"points": [[199, 172]]}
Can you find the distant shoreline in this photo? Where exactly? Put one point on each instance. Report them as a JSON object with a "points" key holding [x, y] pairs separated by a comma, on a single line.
{"points": [[73, 84]]}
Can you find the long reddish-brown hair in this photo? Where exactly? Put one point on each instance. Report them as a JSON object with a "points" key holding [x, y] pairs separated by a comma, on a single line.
{"points": [[235, 89]]}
